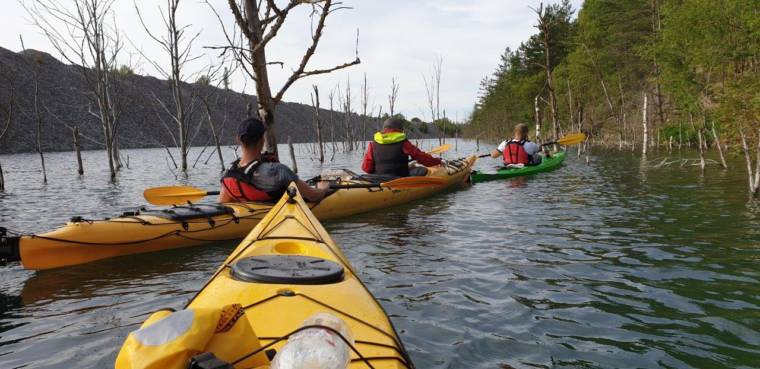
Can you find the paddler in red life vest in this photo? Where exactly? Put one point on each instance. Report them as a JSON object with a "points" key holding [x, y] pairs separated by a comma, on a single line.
{"points": [[389, 153], [518, 150], [252, 178]]}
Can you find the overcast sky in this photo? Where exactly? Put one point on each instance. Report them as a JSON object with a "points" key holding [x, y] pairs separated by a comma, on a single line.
{"points": [[397, 38]]}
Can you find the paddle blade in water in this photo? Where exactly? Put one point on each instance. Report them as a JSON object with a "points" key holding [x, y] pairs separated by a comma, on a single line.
{"points": [[173, 195], [414, 182], [572, 139], [440, 149]]}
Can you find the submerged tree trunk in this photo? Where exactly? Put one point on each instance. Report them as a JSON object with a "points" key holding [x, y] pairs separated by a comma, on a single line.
{"points": [[347, 118], [318, 123], [214, 133], [39, 131], [701, 151], [645, 127], [292, 155], [753, 187], [78, 149], [720, 148], [2, 179]]}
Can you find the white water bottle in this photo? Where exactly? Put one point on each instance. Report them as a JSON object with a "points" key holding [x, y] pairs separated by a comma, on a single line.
{"points": [[317, 348]]}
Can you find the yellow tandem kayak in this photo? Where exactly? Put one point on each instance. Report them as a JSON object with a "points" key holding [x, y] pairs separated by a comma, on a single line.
{"points": [[285, 271], [85, 240]]}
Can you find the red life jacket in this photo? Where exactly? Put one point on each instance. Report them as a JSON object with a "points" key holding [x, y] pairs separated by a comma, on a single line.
{"points": [[514, 153], [239, 185]]}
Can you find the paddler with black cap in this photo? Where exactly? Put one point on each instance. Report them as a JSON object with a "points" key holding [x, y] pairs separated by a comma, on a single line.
{"points": [[390, 152], [253, 178]]}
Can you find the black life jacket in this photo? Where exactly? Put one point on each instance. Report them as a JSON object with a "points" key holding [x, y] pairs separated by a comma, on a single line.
{"points": [[238, 182], [390, 159]]}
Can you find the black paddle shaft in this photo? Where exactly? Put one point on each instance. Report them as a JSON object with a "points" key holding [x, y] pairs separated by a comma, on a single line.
{"points": [[358, 185]]}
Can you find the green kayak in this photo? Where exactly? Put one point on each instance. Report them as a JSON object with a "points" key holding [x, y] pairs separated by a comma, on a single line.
{"points": [[546, 165]]}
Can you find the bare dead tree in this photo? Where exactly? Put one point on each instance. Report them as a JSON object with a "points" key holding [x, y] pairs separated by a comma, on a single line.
{"points": [[38, 120], [177, 45], [544, 25], [258, 23], [78, 149], [7, 109], [292, 155], [598, 73], [701, 150], [317, 122], [345, 99], [331, 97], [379, 117], [645, 128], [433, 93], [570, 105], [752, 174], [623, 115], [212, 127], [36, 62], [8, 112], [78, 30], [719, 146], [365, 115], [393, 96], [205, 95]]}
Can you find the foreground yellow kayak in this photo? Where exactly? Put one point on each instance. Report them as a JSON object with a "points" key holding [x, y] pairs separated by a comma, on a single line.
{"points": [[285, 271], [85, 240]]}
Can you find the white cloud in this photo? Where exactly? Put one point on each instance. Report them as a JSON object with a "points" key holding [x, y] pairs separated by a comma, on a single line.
{"points": [[398, 38]]}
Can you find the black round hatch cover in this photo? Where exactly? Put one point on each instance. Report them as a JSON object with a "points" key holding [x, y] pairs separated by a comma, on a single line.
{"points": [[287, 269]]}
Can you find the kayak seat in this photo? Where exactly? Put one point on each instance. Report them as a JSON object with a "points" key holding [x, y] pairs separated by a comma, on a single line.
{"points": [[189, 212]]}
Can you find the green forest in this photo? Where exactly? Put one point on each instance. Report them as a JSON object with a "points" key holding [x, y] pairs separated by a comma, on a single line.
{"points": [[696, 63]]}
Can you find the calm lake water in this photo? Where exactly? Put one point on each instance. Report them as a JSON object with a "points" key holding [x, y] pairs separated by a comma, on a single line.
{"points": [[608, 264]]}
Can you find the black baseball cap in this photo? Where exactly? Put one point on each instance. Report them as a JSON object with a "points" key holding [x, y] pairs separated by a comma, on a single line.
{"points": [[393, 123], [251, 130]]}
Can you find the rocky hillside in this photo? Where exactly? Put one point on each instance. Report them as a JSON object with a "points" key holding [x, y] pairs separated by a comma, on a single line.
{"points": [[66, 101]]}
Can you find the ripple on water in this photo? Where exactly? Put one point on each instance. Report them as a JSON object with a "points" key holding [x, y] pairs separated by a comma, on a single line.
{"points": [[596, 266]]}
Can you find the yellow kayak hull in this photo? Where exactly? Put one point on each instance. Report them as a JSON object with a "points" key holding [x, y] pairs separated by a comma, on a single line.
{"points": [[275, 310], [89, 240]]}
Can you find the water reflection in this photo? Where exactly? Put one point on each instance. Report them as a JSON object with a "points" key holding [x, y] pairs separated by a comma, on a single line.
{"points": [[88, 280]]}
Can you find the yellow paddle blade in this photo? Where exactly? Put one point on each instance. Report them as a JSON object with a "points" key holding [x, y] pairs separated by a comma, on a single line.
{"points": [[414, 182], [572, 139], [440, 149], [173, 195]]}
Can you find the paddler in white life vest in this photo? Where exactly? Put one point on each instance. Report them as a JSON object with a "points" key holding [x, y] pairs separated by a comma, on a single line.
{"points": [[390, 152], [518, 151], [254, 178]]}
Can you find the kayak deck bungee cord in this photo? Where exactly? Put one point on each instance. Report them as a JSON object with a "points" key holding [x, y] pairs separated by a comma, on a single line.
{"points": [[147, 230], [547, 164], [285, 271]]}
